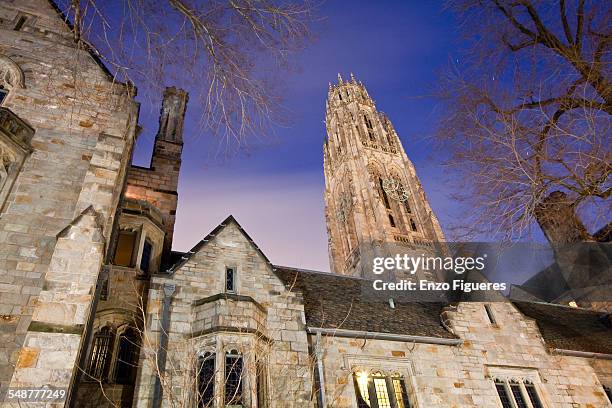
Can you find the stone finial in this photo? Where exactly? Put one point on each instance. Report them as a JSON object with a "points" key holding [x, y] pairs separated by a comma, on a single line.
{"points": [[339, 78], [352, 78], [172, 115]]}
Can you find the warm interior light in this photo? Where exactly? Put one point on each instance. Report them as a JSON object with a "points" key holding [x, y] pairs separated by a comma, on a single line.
{"points": [[362, 383], [573, 304]]}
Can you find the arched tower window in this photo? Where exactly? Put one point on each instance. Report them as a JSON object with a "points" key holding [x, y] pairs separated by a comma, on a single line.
{"points": [[233, 378], [370, 128], [127, 357], [11, 77], [101, 354], [206, 380]]}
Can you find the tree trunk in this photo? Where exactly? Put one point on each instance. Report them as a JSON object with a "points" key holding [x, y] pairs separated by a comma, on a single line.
{"points": [[557, 217]]}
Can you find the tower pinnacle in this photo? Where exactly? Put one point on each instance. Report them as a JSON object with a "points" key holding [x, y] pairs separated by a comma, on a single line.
{"points": [[373, 197]]}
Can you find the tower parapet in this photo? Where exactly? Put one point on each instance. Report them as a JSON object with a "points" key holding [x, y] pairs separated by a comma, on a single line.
{"points": [[373, 196], [158, 183]]}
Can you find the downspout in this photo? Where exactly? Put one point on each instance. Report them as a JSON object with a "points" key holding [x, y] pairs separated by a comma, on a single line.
{"points": [[584, 354], [319, 357], [163, 343]]}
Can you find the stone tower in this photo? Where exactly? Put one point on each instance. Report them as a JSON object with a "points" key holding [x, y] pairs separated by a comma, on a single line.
{"points": [[374, 201], [158, 183]]}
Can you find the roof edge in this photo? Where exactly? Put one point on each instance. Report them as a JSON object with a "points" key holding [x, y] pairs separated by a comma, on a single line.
{"points": [[408, 338]]}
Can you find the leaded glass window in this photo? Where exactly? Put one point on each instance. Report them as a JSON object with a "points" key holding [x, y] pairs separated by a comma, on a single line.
{"points": [[533, 395], [127, 357], [206, 380], [502, 391], [230, 279], [145, 259], [101, 354], [233, 378], [380, 390], [515, 387], [514, 394]]}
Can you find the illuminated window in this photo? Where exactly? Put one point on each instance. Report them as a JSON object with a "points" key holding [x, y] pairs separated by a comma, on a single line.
{"points": [[233, 379], [206, 380], [513, 394], [101, 354], [124, 253], [230, 279], [401, 396], [382, 393], [380, 390]]}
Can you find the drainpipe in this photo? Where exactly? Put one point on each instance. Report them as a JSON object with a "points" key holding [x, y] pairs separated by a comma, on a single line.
{"points": [[319, 357], [163, 343]]}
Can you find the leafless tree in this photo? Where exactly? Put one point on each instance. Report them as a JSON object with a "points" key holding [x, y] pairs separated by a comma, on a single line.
{"points": [[226, 53], [527, 113]]}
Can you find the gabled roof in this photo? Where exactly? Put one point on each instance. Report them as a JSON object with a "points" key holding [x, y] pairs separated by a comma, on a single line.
{"points": [[569, 328], [185, 257], [95, 55], [337, 302]]}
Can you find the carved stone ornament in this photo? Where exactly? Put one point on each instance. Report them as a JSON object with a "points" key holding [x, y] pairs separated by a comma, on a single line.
{"points": [[344, 207], [395, 189], [11, 76]]}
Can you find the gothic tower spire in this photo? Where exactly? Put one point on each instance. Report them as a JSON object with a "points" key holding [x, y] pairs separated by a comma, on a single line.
{"points": [[373, 196]]}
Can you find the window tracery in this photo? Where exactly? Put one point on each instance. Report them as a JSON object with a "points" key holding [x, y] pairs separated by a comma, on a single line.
{"points": [[11, 77]]}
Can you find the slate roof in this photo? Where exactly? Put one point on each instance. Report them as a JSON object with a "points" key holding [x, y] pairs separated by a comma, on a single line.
{"points": [[570, 328], [337, 302], [334, 301]]}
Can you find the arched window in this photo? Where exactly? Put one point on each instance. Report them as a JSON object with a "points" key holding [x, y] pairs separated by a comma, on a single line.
{"points": [[206, 380], [127, 357], [3, 93], [11, 77], [233, 378], [101, 354], [383, 193], [517, 393], [368, 124], [145, 259], [413, 225], [380, 390]]}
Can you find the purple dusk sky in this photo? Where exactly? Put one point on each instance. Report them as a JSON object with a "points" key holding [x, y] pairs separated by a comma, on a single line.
{"points": [[397, 49]]}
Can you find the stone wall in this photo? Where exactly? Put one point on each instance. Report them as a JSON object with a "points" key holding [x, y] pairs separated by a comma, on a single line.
{"points": [[262, 320], [84, 132], [462, 376]]}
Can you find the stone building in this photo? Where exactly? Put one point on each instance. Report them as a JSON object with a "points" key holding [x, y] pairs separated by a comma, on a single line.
{"points": [[374, 199], [94, 301]]}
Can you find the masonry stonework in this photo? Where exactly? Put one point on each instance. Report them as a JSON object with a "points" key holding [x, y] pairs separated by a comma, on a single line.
{"points": [[94, 300]]}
